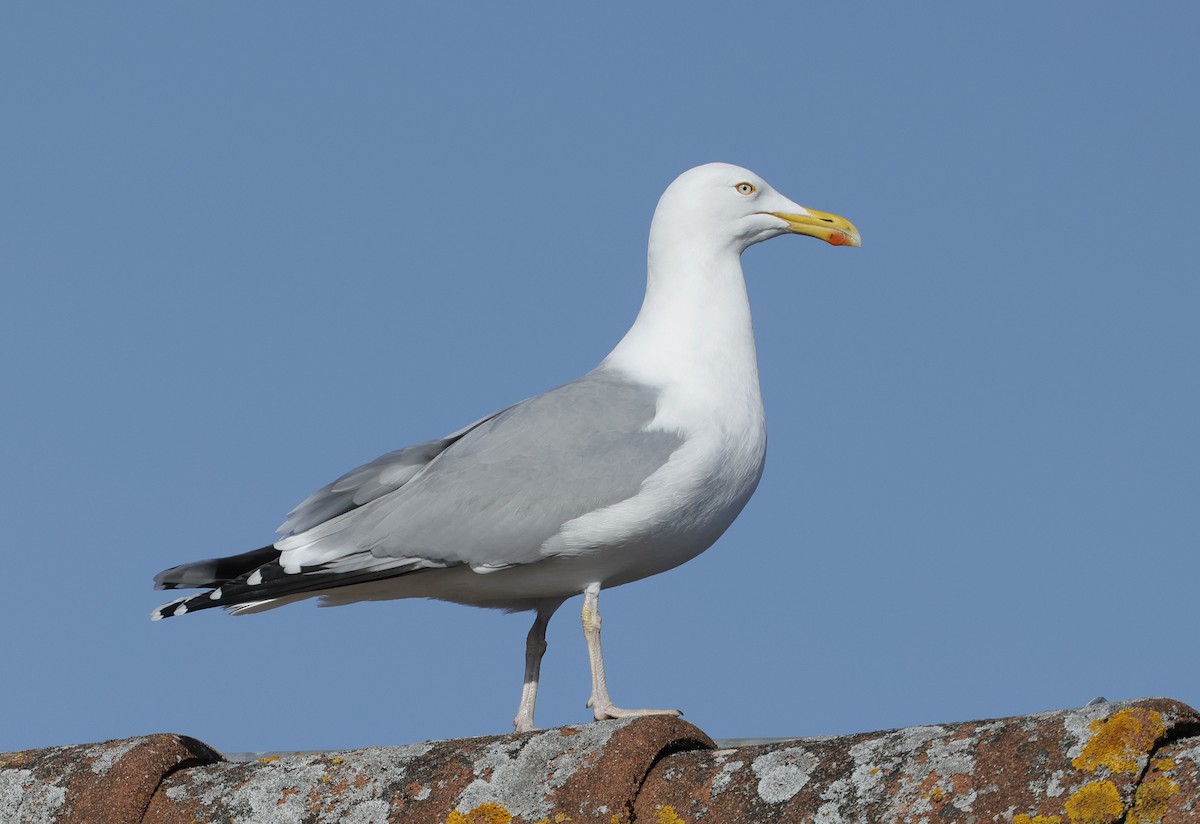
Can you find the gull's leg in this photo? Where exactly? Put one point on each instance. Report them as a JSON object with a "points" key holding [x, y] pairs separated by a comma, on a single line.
{"points": [[535, 648], [600, 702]]}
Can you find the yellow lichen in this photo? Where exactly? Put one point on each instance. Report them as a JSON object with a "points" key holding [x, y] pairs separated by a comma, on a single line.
{"points": [[937, 795], [267, 759], [17, 760], [560, 818], [1095, 803], [487, 813], [1150, 800], [1023, 818], [335, 761], [1163, 764], [666, 815], [1119, 740]]}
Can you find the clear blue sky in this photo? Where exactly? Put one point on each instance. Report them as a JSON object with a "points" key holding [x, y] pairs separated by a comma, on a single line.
{"points": [[246, 247]]}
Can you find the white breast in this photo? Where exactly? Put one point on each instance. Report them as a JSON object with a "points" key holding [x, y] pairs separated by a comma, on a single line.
{"points": [[694, 342]]}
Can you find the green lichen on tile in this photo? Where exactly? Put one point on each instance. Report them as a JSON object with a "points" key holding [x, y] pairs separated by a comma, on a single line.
{"points": [[1120, 740], [1095, 803]]}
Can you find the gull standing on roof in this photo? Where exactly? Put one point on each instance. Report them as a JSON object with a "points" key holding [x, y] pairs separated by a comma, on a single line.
{"points": [[624, 473]]}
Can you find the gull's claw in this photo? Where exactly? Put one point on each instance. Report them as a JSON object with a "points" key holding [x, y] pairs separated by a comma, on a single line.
{"points": [[604, 712]]}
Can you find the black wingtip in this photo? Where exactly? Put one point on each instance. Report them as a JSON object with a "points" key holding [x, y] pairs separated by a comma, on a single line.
{"points": [[212, 572]]}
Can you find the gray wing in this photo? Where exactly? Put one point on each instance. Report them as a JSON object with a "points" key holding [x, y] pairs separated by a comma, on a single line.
{"points": [[494, 495], [361, 485]]}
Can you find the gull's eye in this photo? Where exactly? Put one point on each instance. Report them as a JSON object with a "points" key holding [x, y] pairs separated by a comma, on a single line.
{"points": [[745, 188]]}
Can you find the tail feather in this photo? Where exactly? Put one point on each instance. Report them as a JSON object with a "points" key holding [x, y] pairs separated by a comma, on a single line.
{"points": [[255, 588]]}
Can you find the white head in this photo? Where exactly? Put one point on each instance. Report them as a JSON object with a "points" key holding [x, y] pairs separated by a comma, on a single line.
{"points": [[734, 208]]}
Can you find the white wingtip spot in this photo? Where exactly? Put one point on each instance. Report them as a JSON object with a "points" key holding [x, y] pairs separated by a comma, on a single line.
{"points": [[215, 594], [156, 615], [249, 606], [484, 569], [180, 610], [255, 578]]}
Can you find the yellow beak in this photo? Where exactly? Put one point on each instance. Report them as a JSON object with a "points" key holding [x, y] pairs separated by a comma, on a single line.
{"points": [[827, 227]]}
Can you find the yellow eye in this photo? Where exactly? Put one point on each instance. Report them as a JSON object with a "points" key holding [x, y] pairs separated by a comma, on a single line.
{"points": [[745, 188]]}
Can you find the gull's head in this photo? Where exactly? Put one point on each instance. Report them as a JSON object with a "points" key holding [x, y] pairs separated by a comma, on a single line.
{"points": [[735, 207]]}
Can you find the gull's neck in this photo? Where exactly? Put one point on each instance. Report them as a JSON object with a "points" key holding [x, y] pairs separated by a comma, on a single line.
{"points": [[695, 323]]}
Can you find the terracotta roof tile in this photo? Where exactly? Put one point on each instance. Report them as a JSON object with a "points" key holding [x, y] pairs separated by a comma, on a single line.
{"points": [[1137, 762]]}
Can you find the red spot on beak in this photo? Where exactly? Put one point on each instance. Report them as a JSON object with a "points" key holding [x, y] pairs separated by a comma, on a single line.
{"points": [[838, 239]]}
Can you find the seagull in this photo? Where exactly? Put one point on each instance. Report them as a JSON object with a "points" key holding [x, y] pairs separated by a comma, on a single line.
{"points": [[626, 472]]}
